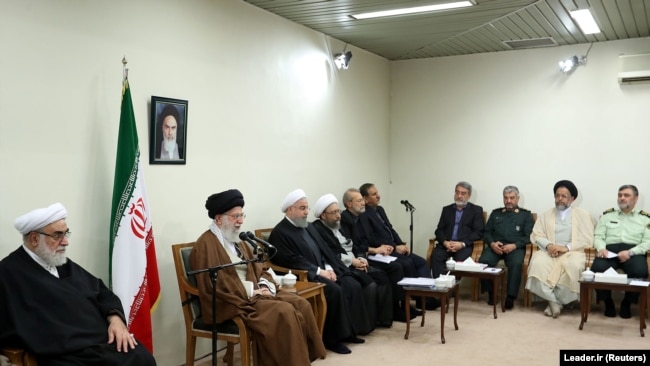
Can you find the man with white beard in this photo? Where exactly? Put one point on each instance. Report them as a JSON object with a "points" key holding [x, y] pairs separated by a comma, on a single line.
{"points": [[281, 321], [300, 246], [169, 149], [44, 297]]}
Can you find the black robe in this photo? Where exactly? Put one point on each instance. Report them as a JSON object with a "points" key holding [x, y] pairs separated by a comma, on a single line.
{"points": [[62, 321], [293, 252]]}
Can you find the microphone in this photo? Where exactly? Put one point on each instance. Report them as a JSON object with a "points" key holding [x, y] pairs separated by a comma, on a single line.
{"points": [[407, 204], [263, 242], [256, 249]]}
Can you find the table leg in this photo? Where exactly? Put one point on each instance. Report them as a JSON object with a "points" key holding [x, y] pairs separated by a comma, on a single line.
{"points": [[584, 305], [456, 308], [503, 290], [424, 309], [443, 305], [407, 306], [643, 295], [495, 288]]}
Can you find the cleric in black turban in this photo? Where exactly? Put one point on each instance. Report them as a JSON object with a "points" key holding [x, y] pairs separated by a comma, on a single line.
{"points": [[568, 185], [219, 203]]}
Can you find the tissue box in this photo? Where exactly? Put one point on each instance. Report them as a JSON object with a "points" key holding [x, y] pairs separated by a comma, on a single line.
{"points": [[445, 281], [469, 267], [611, 278]]}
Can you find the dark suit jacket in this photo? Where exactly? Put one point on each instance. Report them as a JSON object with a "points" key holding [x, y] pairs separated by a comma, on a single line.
{"points": [[371, 232], [470, 228], [332, 241]]}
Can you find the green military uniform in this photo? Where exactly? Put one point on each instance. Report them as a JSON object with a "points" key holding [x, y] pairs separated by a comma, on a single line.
{"points": [[617, 231], [508, 227]]}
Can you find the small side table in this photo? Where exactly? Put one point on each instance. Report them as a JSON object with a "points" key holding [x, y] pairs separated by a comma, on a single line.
{"points": [[585, 298], [497, 278], [442, 294]]}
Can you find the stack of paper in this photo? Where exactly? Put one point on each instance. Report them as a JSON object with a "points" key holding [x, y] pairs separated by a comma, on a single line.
{"points": [[469, 265], [611, 276], [382, 258], [417, 282]]}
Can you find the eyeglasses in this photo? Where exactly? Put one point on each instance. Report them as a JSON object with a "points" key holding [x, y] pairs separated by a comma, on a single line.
{"points": [[335, 212], [235, 217], [57, 235]]}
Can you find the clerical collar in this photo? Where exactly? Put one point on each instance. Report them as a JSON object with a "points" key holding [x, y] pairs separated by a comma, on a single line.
{"points": [[50, 268]]}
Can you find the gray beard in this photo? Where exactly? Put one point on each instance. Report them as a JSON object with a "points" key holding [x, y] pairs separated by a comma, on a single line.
{"points": [[231, 234], [169, 146], [460, 203], [50, 257], [561, 207], [301, 222]]}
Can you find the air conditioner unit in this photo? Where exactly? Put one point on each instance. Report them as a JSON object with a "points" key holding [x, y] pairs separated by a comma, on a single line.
{"points": [[633, 68]]}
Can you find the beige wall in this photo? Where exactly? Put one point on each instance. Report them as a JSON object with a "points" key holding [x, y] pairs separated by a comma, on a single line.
{"points": [[512, 118], [268, 113]]}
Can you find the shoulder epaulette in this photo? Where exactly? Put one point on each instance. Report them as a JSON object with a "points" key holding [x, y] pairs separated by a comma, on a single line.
{"points": [[523, 209], [644, 213], [499, 209], [608, 211]]}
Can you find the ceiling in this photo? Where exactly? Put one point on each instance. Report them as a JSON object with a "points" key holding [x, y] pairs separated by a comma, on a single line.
{"points": [[479, 29]]}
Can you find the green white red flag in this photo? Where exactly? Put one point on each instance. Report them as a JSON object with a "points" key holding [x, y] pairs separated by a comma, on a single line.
{"points": [[133, 267]]}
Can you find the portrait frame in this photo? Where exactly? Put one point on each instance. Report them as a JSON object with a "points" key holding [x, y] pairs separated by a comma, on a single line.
{"points": [[176, 110]]}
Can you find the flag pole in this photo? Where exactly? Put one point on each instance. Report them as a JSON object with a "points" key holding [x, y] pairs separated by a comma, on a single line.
{"points": [[125, 71]]}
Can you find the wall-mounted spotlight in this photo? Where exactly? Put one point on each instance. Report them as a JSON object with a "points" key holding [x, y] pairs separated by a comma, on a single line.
{"points": [[342, 60], [567, 66]]}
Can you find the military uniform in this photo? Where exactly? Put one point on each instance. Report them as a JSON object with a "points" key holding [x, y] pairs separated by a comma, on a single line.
{"points": [[508, 227], [617, 231]]}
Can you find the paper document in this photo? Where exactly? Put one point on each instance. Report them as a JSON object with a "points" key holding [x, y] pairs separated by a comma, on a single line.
{"points": [[611, 254], [492, 269], [382, 258], [417, 281], [639, 283]]}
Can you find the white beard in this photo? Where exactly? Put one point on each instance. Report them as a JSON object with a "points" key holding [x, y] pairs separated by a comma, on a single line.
{"points": [[169, 146], [50, 257]]}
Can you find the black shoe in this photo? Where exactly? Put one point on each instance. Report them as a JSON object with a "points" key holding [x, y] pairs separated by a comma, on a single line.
{"points": [[610, 310], [490, 298], [432, 303], [354, 339], [510, 302], [339, 348], [625, 309], [415, 312]]}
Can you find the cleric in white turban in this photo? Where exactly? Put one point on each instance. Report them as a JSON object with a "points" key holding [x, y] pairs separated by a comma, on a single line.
{"points": [[292, 198], [40, 218], [323, 203]]}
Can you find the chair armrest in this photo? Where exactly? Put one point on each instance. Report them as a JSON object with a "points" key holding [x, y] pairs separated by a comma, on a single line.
{"points": [[590, 255], [19, 357], [432, 246], [300, 273], [477, 250]]}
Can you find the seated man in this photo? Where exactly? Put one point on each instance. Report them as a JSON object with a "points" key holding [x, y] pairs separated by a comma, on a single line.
{"points": [[355, 205], [300, 246], [376, 284], [506, 234], [282, 322], [461, 223], [561, 234], [54, 308], [626, 232]]}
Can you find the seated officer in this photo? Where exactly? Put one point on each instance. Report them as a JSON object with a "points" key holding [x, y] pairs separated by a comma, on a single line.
{"points": [[506, 234], [626, 232]]}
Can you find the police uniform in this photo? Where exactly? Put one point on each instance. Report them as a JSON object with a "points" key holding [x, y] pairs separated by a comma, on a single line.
{"points": [[508, 227], [617, 231]]}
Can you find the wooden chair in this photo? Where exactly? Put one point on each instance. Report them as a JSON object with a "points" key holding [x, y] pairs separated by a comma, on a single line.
{"points": [[18, 357], [300, 273], [232, 331]]}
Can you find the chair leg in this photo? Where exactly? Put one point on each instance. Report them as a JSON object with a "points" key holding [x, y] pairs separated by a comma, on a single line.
{"points": [[190, 349], [230, 351]]}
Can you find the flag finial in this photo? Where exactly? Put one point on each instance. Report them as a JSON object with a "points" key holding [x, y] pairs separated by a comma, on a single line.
{"points": [[125, 71]]}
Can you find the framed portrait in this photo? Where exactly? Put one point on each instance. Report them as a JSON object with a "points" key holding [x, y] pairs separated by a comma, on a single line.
{"points": [[168, 132]]}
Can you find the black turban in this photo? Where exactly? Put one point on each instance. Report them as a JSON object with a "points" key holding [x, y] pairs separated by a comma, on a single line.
{"points": [[568, 185], [221, 202]]}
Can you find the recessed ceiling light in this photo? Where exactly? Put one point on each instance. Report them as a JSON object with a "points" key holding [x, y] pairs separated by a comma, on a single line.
{"points": [[415, 10], [586, 21]]}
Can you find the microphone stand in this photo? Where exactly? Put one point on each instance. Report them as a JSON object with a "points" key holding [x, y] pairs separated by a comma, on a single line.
{"points": [[411, 209], [214, 273]]}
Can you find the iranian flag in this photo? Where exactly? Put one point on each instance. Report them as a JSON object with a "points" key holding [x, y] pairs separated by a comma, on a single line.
{"points": [[133, 268]]}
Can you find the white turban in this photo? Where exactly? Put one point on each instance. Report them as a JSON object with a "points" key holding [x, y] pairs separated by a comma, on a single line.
{"points": [[292, 198], [40, 218], [323, 203]]}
